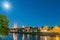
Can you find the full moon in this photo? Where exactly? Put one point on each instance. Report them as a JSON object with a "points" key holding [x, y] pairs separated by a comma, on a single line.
{"points": [[6, 5]]}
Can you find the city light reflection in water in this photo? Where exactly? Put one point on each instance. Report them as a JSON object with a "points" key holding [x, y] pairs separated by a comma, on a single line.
{"points": [[30, 37], [14, 36]]}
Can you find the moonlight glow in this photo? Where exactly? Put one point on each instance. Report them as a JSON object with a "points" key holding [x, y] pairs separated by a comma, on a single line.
{"points": [[6, 5]]}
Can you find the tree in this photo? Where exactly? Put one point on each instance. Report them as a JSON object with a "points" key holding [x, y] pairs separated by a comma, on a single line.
{"points": [[3, 25]]}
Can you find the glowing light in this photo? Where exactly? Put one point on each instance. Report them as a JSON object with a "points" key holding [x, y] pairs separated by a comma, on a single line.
{"points": [[6, 5], [57, 38]]}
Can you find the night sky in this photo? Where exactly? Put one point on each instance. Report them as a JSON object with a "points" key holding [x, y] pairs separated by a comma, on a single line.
{"points": [[32, 12]]}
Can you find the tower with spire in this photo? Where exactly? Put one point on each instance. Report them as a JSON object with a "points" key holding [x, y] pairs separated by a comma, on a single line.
{"points": [[15, 26]]}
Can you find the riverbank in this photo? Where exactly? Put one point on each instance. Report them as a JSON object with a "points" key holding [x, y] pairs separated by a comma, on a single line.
{"points": [[40, 33]]}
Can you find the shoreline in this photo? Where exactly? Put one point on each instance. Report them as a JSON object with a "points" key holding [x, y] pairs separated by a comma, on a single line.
{"points": [[40, 33]]}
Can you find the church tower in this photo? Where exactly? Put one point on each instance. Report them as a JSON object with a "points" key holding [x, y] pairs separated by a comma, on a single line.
{"points": [[15, 26]]}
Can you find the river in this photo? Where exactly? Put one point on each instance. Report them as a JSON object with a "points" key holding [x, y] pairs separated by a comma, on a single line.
{"points": [[17, 36]]}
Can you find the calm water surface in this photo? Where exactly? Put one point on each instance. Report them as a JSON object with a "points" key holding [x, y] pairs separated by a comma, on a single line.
{"points": [[13, 36]]}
